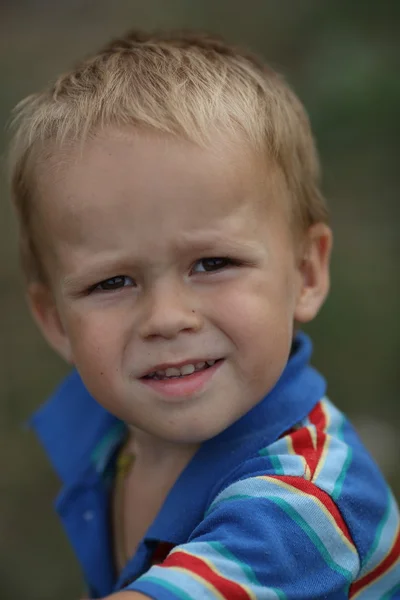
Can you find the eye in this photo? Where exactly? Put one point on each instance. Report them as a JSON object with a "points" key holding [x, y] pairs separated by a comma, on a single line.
{"points": [[114, 283], [209, 265]]}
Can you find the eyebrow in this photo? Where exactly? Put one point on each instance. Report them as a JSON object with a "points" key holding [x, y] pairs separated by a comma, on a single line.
{"points": [[184, 244], [96, 270], [208, 241]]}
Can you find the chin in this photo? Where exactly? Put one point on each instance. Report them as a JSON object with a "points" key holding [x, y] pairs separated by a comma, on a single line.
{"points": [[185, 434]]}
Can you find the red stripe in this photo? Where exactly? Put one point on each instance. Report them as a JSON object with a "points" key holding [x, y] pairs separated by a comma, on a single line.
{"points": [[302, 440], [227, 588], [312, 490], [303, 446], [380, 569], [318, 419]]}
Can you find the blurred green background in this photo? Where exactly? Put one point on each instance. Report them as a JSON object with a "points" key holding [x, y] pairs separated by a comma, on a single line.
{"points": [[343, 60]]}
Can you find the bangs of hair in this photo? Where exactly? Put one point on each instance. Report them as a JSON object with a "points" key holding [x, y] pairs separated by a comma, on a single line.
{"points": [[184, 84]]}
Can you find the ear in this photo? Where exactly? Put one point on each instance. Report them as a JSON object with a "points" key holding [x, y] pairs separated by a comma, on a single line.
{"points": [[44, 310], [314, 272]]}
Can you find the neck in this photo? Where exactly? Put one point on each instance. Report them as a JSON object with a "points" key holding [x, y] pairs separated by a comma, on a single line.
{"points": [[154, 454]]}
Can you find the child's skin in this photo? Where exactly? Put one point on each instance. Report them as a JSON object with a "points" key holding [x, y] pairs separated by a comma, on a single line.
{"points": [[131, 223]]}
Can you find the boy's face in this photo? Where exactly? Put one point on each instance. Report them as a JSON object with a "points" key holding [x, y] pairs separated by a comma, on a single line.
{"points": [[163, 254]]}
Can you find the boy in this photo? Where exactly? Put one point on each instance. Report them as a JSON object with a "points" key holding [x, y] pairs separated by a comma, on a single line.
{"points": [[174, 239]]}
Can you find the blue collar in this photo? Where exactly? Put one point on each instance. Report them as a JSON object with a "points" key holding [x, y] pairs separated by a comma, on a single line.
{"points": [[298, 390], [72, 428], [71, 423]]}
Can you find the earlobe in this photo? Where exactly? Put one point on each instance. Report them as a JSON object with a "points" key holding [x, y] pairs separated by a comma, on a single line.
{"points": [[314, 272], [45, 313]]}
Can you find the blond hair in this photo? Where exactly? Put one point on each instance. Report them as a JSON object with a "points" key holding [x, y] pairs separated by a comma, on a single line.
{"points": [[184, 84]]}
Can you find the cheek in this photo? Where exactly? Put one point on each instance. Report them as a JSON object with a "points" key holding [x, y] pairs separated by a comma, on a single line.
{"points": [[94, 339], [258, 319], [257, 307]]}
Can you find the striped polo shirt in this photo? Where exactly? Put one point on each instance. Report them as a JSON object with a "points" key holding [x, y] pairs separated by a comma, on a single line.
{"points": [[284, 504]]}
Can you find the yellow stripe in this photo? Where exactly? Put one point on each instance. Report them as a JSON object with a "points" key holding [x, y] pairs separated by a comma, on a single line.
{"points": [[307, 472], [295, 490], [213, 568], [324, 453], [313, 434], [290, 445], [361, 590], [322, 459], [201, 580]]}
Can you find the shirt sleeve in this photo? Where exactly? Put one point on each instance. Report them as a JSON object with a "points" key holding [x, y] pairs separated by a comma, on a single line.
{"points": [[269, 537]]}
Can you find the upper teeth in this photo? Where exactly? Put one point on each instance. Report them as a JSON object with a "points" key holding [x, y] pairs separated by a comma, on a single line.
{"points": [[184, 370]]}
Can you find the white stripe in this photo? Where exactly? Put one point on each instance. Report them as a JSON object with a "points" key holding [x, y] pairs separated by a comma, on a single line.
{"points": [[333, 465], [385, 540], [227, 568], [293, 465], [382, 586], [308, 507], [182, 579], [337, 453]]}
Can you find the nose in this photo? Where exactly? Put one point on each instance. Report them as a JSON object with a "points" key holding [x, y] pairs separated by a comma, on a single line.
{"points": [[168, 311]]}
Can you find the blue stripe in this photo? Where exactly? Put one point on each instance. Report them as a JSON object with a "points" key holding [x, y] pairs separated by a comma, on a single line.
{"points": [[386, 584], [386, 530], [283, 462], [391, 594], [306, 506], [276, 463], [314, 538], [337, 458], [337, 490], [170, 587], [224, 552]]}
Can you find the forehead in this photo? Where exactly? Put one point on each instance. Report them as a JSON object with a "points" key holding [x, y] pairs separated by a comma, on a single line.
{"points": [[129, 179]]}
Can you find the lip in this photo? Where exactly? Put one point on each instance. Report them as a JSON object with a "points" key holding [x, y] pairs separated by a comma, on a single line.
{"points": [[178, 388], [177, 365]]}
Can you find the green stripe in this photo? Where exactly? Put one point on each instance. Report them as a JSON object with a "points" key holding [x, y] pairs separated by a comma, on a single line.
{"points": [[248, 571], [263, 452], [286, 507], [227, 554], [340, 431], [378, 532], [234, 497], [279, 593], [390, 594], [276, 463], [111, 439], [340, 480], [168, 586], [312, 535]]}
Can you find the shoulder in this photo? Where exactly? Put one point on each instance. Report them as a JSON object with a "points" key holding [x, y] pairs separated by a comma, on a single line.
{"points": [[321, 455], [322, 489], [288, 522]]}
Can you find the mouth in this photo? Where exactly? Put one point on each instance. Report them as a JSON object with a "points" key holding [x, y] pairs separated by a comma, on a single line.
{"points": [[179, 372], [179, 383]]}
